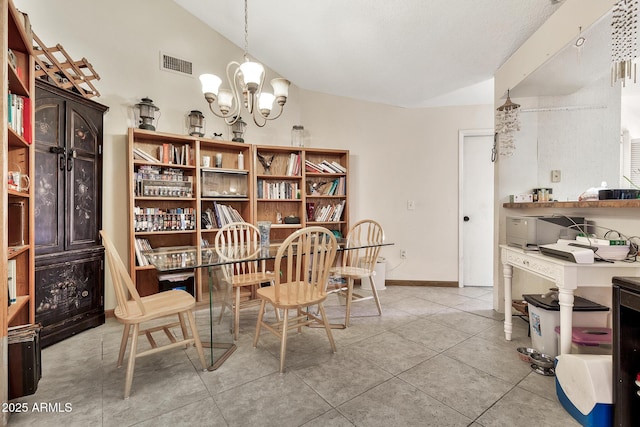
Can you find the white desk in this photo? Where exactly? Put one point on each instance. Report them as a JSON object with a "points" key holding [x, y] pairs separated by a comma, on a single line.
{"points": [[566, 275]]}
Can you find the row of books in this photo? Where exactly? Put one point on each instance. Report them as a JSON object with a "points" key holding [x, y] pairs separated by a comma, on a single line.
{"points": [[220, 215], [325, 213], [277, 190], [324, 167], [294, 165], [142, 245], [19, 115], [11, 266], [337, 187], [167, 154]]}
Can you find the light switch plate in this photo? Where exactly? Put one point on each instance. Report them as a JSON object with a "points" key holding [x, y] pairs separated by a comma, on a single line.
{"points": [[555, 175]]}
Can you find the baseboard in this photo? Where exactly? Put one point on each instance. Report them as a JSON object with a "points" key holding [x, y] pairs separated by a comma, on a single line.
{"points": [[109, 313], [431, 283]]}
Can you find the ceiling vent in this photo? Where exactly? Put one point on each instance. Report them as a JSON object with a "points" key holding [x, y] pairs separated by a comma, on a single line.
{"points": [[175, 65]]}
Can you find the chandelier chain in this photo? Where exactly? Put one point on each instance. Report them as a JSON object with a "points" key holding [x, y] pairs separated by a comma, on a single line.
{"points": [[246, 31]]}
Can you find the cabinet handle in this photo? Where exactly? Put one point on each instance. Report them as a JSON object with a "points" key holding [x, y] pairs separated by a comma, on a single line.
{"points": [[61, 151], [70, 156]]}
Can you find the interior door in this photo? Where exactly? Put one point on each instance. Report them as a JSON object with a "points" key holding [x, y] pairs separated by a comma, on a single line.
{"points": [[476, 208]]}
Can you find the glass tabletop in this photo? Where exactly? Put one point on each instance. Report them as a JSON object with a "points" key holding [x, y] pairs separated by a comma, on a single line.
{"points": [[175, 258], [209, 264]]}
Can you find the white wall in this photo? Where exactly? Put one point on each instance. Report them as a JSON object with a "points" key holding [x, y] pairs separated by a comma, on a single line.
{"points": [[397, 154]]}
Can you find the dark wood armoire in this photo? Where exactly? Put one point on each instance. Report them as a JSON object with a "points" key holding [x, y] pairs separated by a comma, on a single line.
{"points": [[69, 276]]}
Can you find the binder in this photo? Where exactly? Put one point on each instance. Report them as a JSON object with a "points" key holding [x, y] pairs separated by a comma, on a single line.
{"points": [[25, 365]]}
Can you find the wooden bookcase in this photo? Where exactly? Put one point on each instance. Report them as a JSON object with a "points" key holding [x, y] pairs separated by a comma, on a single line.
{"points": [[17, 154], [331, 190], [16, 208], [236, 185], [279, 189], [315, 191], [156, 206]]}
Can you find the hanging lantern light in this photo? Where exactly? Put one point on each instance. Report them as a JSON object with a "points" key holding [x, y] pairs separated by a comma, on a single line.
{"points": [[507, 123], [195, 123], [238, 128], [146, 113]]}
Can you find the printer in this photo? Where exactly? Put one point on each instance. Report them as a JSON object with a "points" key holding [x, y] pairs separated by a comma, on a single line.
{"points": [[528, 232]]}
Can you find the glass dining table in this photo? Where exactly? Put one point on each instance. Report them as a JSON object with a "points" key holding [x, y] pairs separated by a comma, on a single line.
{"points": [[206, 262]]}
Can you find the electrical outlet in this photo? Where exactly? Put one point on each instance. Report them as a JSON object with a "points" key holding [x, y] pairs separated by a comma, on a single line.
{"points": [[403, 253], [555, 175], [411, 205]]}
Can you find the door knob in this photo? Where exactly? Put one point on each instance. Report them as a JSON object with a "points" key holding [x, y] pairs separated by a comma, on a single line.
{"points": [[465, 218]]}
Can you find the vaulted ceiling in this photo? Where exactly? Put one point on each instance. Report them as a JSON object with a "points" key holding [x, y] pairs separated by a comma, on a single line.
{"points": [[396, 52]]}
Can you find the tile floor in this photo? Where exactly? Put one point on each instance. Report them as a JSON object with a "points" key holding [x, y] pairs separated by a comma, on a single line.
{"points": [[436, 357]]}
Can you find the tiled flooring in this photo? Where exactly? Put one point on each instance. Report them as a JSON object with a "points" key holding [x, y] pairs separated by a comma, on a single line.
{"points": [[436, 357]]}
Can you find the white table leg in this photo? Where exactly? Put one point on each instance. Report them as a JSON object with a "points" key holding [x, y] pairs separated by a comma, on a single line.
{"points": [[565, 299], [507, 271]]}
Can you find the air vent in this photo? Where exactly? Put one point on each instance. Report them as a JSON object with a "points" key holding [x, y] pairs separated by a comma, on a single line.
{"points": [[175, 65]]}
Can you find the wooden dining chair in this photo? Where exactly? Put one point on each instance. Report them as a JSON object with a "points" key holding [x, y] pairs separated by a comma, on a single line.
{"points": [[304, 258], [360, 263], [240, 242], [132, 310]]}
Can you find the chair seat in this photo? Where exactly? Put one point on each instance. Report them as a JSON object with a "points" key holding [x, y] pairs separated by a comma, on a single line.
{"points": [[287, 296], [354, 272], [252, 278], [157, 305]]}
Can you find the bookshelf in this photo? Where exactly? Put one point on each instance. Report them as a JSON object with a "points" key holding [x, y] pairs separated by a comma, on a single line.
{"points": [[16, 209], [18, 153], [182, 200], [174, 200], [326, 189], [279, 188]]}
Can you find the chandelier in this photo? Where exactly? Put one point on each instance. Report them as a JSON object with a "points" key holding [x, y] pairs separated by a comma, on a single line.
{"points": [[246, 80], [624, 44], [507, 122]]}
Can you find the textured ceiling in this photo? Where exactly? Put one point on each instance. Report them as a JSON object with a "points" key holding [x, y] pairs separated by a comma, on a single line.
{"points": [[396, 52]]}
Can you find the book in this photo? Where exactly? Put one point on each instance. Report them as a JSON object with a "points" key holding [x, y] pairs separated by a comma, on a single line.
{"points": [[329, 167], [27, 126], [141, 245], [312, 167], [11, 275], [144, 155], [166, 153], [339, 167]]}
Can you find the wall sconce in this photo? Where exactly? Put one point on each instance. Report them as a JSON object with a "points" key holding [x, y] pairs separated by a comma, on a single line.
{"points": [[146, 114], [238, 128], [195, 123]]}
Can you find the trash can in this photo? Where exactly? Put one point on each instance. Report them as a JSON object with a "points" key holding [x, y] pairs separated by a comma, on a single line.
{"points": [[381, 271], [544, 316]]}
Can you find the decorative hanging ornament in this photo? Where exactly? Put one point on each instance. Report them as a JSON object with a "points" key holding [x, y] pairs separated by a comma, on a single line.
{"points": [[507, 123], [624, 41]]}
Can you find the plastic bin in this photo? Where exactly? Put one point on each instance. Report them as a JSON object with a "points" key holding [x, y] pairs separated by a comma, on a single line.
{"points": [[381, 271], [180, 281], [589, 340], [544, 316]]}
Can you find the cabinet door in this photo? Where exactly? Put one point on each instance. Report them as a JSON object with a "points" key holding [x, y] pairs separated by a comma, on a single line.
{"points": [[84, 172], [49, 174], [68, 184], [69, 290]]}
